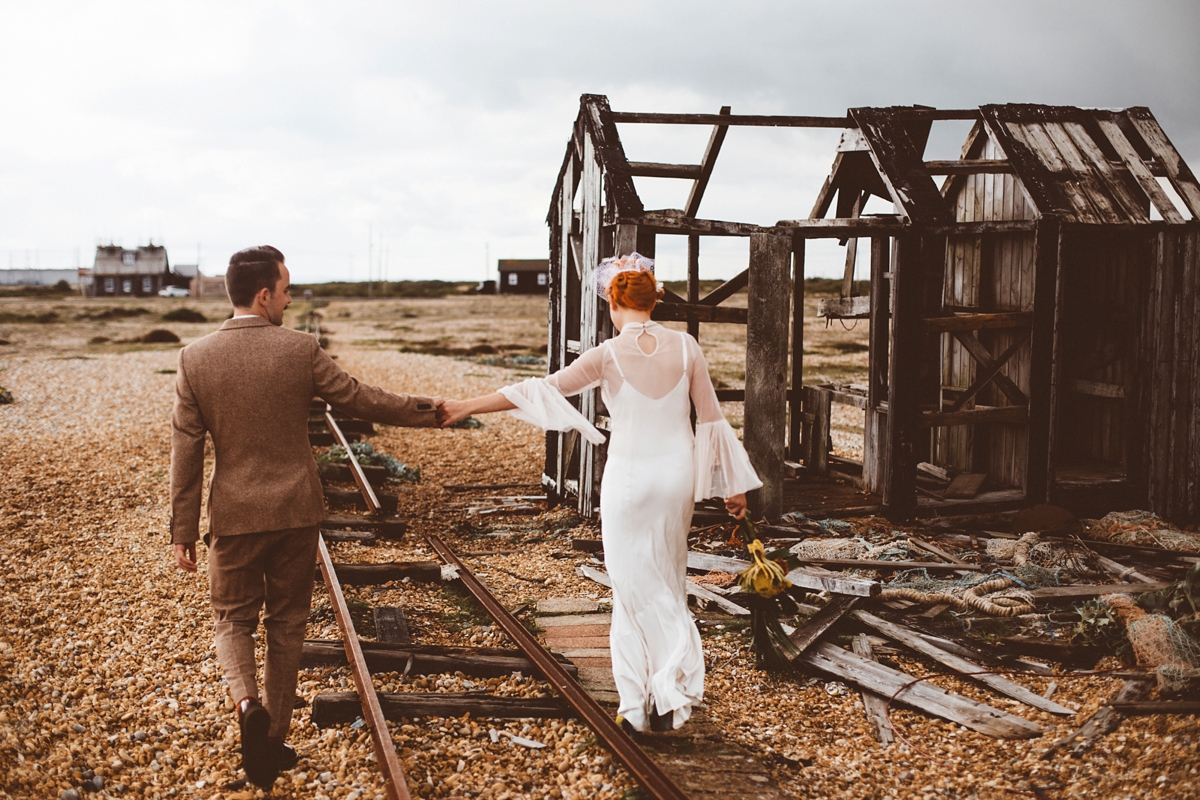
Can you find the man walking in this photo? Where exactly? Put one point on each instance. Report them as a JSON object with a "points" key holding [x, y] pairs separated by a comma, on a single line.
{"points": [[249, 386]]}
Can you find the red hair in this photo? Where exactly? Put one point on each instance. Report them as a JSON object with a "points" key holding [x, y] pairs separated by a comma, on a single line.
{"points": [[634, 289]]}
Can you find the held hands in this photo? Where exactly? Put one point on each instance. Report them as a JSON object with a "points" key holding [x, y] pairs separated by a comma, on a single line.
{"points": [[452, 411], [736, 505]]}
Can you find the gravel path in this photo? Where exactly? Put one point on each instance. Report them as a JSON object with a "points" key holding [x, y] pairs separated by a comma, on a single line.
{"points": [[108, 678]]}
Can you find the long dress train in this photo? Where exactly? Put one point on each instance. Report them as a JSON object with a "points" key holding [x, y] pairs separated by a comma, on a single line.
{"points": [[655, 470]]}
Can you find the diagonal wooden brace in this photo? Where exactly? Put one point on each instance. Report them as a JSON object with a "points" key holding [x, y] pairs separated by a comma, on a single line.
{"points": [[990, 368]]}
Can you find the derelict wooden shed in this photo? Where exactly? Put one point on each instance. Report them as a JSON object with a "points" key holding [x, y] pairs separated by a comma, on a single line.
{"points": [[1036, 317]]}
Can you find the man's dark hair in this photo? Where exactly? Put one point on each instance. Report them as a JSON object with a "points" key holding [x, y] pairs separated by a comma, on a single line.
{"points": [[249, 271]]}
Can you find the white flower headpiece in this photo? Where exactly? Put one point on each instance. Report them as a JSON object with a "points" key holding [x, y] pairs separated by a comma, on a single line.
{"points": [[609, 267]]}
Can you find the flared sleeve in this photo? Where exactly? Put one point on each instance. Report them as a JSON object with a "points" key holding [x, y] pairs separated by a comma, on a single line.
{"points": [[543, 401], [540, 404], [722, 467]]}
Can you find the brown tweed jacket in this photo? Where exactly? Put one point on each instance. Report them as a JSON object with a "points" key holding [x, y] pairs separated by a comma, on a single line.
{"points": [[249, 385]]}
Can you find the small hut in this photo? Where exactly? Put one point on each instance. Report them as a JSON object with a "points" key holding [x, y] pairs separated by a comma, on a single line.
{"points": [[1035, 317], [524, 275]]}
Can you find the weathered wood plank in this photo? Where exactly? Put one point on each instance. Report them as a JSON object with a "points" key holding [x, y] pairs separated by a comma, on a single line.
{"points": [[992, 366], [752, 120], [845, 307], [332, 708], [901, 166], [874, 705], [815, 626], [974, 416], [969, 166], [1133, 709], [1137, 167], [648, 169], [370, 574], [976, 322], [482, 662], [687, 312], [795, 400], [707, 162], [622, 195], [967, 669], [1095, 590], [902, 688], [768, 309], [1178, 172], [818, 580], [726, 290], [1042, 187]]}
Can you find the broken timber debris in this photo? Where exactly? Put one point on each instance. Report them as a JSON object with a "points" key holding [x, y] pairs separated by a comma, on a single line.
{"points": [[874, 705]]}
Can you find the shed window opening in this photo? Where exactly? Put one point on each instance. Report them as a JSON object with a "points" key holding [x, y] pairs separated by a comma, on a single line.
{"points": [[146, 285], [127, 287], [512, 279], [110, 285], [127, 259], [542, 278]]}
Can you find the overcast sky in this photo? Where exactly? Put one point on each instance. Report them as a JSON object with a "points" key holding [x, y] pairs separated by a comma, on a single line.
{"points": [[435, 130]]}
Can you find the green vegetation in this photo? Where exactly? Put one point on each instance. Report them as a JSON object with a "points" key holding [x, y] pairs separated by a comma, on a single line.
{"points": [[60, 289], [384, 289]]}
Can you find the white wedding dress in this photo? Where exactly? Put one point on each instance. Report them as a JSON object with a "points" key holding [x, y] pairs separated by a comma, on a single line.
{"points": [[656, 469]]}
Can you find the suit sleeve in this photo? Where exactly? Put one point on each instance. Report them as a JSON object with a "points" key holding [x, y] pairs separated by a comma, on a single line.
{"points": [[350, 396], [187, 460]]}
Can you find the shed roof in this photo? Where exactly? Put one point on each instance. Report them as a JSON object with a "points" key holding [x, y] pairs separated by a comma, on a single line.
{"points": [[524, 265], [147, 260]]}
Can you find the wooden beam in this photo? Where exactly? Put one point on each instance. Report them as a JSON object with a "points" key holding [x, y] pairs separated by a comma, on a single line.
{"points": [[1097, 389], [673, 221], [1137, 167], [332, 708], [685, 312], [1133, 709], [984, 358], [990, 372], [1178, 172], [692, 207], [373, 574], [874, 705], [769, 302], [726, 289], [904, 369], [906, 690], [1103, 721], [482, 662], [622, 196], [795, 401], [874, 430], [750, 120], [815, 626], [648, 169], [901, 166], [1095, 590], [693, 282], [1043, 366], [977, 322], [975, 416], [973, 166], [967, 669]]}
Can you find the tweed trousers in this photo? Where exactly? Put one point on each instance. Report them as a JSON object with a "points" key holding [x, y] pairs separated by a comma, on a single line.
{"points": [[247, 573]]}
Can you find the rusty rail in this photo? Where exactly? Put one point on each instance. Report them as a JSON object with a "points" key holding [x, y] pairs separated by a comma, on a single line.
{"points": [[395, 785], [644, 770], [385, 749], [360, 477]]}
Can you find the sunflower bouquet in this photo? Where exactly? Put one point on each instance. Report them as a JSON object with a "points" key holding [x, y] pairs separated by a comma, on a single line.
{"points": [[771, 595]]}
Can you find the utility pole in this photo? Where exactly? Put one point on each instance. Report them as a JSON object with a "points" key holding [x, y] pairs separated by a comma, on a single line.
{"points": [[370, 250]]}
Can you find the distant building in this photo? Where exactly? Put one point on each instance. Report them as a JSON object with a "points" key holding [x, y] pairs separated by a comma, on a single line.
{"points": [[140, 272], [38, 277], [208, 286], [524, 275]]}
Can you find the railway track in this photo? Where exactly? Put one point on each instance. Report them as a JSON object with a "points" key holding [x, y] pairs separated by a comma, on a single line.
{"points": [[561, 676]]}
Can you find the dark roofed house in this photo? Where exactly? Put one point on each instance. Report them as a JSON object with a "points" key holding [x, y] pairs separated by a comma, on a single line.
{"points": [[524, 275], [139, 272]]}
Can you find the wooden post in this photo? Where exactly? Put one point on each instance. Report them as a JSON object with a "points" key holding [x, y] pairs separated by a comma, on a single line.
{"points": [[693, 281], [821, 410], [875, 421], [766, 366], [899, 475], [589, 307], [1039, 475], [795, 399]]}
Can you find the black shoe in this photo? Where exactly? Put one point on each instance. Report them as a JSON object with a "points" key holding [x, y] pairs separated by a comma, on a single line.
{"points": [[258, 760], [285, 757], [662, 723]]}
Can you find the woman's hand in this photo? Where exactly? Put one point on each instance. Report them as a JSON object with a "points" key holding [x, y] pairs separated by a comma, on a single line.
{"points": [[736, 505], [452, 411]]}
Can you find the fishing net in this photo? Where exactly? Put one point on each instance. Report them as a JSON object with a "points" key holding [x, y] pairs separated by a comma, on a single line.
{"points": [[1140, 528], [1001, 594], [1030, 550], [1159, 644], [856, 548]]}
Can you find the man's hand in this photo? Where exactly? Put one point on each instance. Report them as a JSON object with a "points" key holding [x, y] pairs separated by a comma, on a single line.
{"points": [[185, 556], [736, 505], [452, 411]]}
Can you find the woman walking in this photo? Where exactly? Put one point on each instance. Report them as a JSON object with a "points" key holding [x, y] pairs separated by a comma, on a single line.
{"points": [[650, 377]]}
